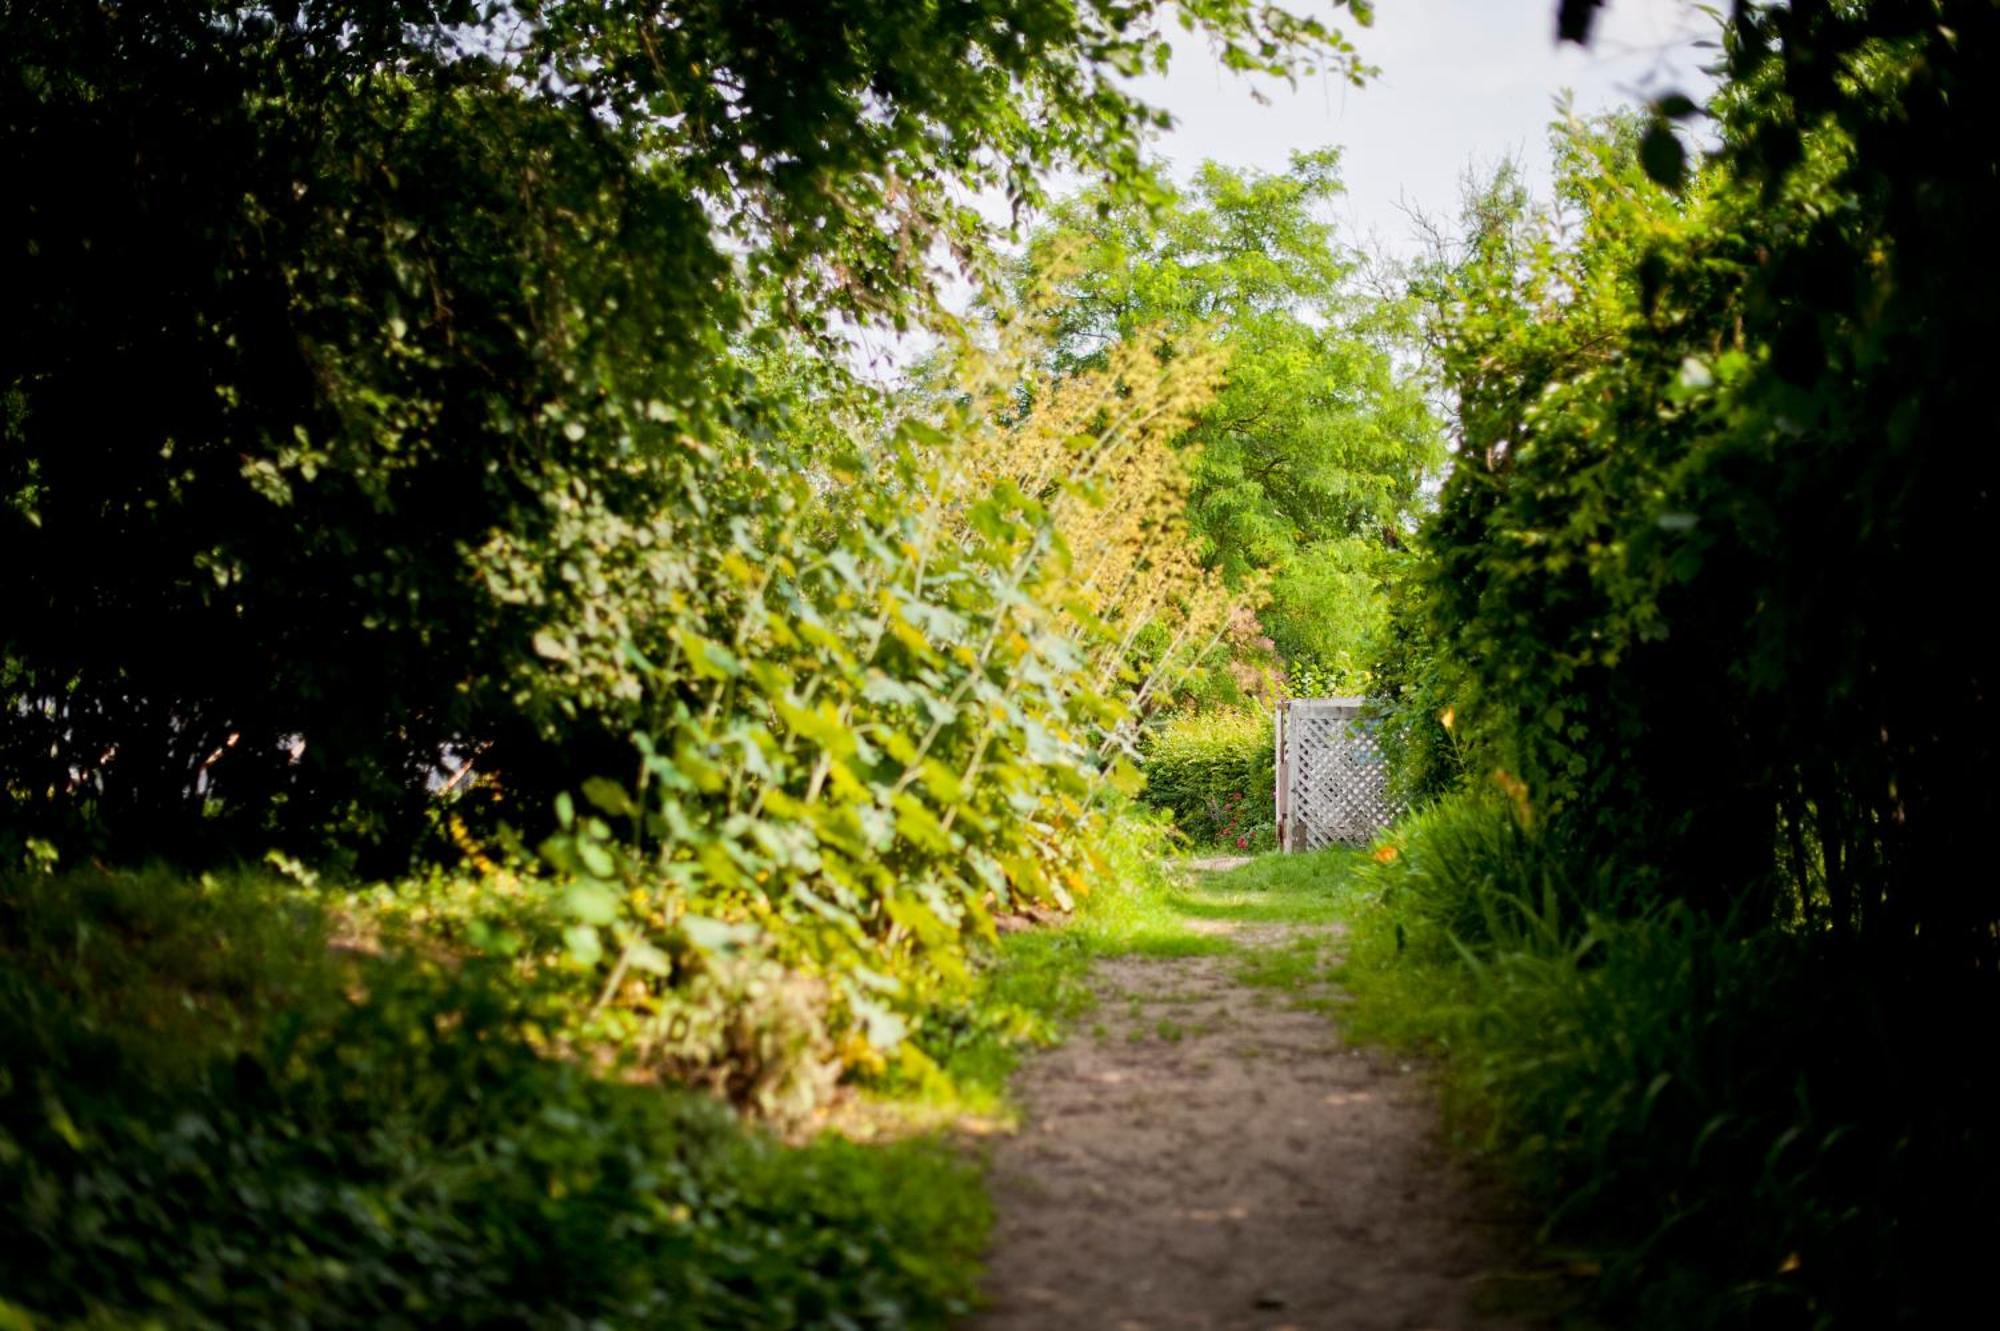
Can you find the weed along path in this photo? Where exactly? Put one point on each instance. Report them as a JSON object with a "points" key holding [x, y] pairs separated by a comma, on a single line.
{"points": [[1205, 1152]]}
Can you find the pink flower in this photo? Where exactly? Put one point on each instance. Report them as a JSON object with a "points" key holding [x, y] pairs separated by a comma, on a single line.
{"points": [[1243, 843]]}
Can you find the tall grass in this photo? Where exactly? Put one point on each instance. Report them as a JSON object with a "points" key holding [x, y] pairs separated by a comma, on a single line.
{"points": [[1729, 1130]]}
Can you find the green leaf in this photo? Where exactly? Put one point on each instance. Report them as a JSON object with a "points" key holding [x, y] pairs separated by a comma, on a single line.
{"points": [[715, 936], [595, 857], [610, 797], [707, 658], [584, 945], [1663, 155], [593, 903], [647, 959]]}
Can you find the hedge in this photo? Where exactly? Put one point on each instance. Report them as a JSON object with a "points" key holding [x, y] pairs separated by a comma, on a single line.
{"points": [[1214, 772]]}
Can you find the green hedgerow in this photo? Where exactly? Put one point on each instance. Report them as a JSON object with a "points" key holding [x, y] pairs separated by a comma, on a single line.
{"points": [[1216, 772]]}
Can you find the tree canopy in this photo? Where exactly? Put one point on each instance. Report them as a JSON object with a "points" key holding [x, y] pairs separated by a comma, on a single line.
{"points": [[1311, 462], [319, 308]]}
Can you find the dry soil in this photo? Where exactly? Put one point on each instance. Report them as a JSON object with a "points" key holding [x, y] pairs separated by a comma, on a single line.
{"points": [[1204, 1154]]}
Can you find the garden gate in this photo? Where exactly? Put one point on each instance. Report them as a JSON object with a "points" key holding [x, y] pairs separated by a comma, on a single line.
{"points": [[1333, 788]]}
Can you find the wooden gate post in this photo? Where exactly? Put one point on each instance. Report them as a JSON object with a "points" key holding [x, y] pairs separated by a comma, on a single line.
{"points": [[1284, 783]]}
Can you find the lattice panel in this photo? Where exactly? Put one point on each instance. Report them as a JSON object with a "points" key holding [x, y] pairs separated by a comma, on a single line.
{"points": [[1337, 785]]}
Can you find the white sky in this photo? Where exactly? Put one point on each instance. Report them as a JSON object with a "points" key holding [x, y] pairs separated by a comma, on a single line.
{"points": [[1461, 82]]}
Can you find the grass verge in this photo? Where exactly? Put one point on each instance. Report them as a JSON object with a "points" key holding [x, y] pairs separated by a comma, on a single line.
{"points": [[1721, 1129]]}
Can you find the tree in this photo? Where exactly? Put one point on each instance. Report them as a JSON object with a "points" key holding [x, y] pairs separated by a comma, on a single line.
{"points": [[309, 302], [1312, 460], [1699, 570]]}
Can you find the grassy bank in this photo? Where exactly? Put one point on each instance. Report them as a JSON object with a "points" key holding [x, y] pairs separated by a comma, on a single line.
{"points": [[217, 1109], [242, 1100], [1720, 1130]]}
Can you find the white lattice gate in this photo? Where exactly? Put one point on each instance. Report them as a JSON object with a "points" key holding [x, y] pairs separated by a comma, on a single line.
{"points": [[1333, 788]]}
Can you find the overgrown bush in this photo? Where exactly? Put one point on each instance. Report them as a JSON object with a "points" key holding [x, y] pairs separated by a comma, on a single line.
{"points": [[217, 1110], [1693, 574], [1733, 1129], [427, 307], [877, 694], [1216, 773]]}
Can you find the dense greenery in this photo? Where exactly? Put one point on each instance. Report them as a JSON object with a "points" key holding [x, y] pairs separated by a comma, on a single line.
{"points": [[1309, 464], [1703, 921], [486, 484], [425, 437], [222, 1107], [430, 472], [1215, 771], [338, 328], [1696, 569]]}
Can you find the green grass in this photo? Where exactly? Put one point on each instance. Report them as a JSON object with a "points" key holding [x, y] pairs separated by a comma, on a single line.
{"points": [[1730, 1130], [1312, 889], [211, 1117], [1034, 986]]}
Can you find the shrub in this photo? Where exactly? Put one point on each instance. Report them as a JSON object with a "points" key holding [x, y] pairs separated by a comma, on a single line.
{"points": [[1695, 569], [876, 695], [1216, 773], [1737, 1129], [209, 1117]]}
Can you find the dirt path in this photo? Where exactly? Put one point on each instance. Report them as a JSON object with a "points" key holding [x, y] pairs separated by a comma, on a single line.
{"points": [[1209, 1155]]}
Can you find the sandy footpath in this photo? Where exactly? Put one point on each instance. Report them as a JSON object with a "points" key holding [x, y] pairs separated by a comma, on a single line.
{"points": [[1202, 1154]]}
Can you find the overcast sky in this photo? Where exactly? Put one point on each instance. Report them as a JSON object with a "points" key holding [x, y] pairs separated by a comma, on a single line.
{"points": [[1461, 81]]}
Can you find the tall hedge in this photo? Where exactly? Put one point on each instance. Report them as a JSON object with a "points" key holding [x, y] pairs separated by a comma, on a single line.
{"points": [[325, 321], [1705, 576]]}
